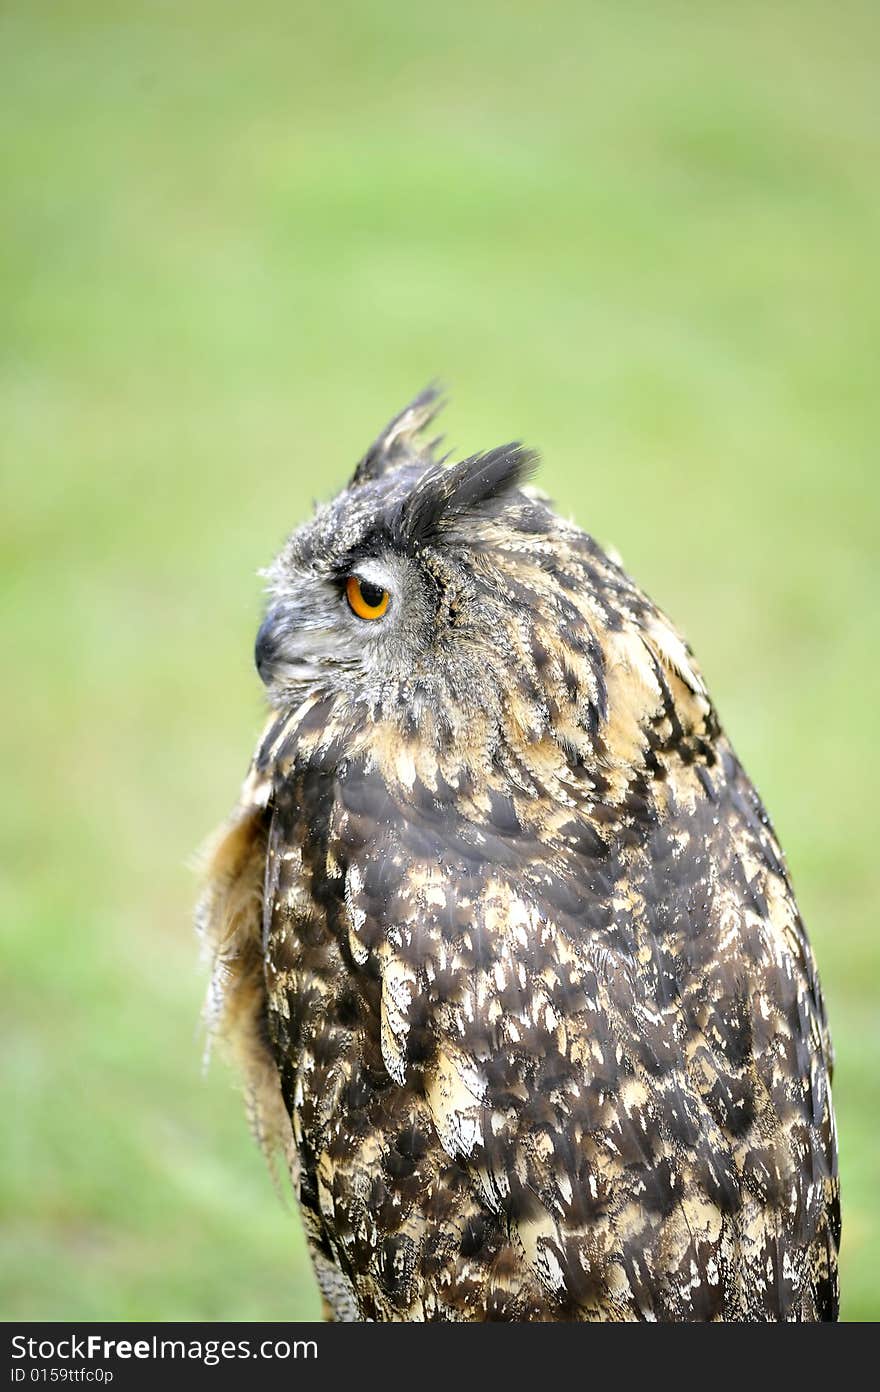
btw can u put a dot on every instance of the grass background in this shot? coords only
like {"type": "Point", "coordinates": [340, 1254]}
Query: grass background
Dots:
{"type": "Point", "coordinates": [233, 241]}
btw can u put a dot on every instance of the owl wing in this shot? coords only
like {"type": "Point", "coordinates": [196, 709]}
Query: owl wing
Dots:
{"type": "Point", "coordinates": [624, 1053]}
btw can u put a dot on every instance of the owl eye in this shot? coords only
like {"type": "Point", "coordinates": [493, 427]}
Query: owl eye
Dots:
{"type": "Point", "coordinates": [365, 599]}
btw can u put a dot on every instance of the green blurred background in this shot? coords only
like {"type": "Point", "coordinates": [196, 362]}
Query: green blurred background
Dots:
{"type": "Point", "coordinates": [234, 240]}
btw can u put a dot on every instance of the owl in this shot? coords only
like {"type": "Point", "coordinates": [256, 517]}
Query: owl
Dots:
{"type": "Point", "coordinates": [502, 939]}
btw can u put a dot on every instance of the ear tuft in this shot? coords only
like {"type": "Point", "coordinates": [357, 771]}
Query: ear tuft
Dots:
{"type": "Point", "coordinates": [444, 496]}
{"type": "Point", "coordinates": [397, 444]}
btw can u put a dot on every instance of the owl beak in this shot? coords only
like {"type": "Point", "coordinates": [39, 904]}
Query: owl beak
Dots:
{"type": "Point", "coordinates": [265, 649]}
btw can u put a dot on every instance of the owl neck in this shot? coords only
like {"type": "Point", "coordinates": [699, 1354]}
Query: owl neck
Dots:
{"type": "Point", "coordinates": [577, 717]}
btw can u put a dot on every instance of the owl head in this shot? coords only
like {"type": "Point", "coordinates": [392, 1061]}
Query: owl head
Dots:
{"type": "Point", "coordinates": [431, 593]}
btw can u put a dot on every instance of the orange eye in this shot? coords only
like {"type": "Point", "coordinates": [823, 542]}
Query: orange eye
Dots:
{"type": "Point", "coordinates": [365, 599]}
